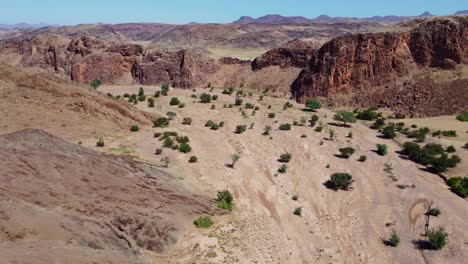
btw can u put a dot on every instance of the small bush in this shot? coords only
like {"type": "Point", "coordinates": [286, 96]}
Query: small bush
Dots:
{"type": "Point", "coordinates": [368, 114]}
{"type": "Point", "coordinates": [174, 101]}
{"type": "Point", "coordinates": [285, 158]}
{"type": "Point", "coordinates": [382, 149]}
{"type": "Point", "coordinates": [451, 149]}
{"type": "Point", "coordinates": [438, 238]}
{"type": "Point", "coordinates": [394, 240]}
{"type": "Point", "coordinates": [203, 222]}
{"type": "Point", "coordinates": [362, 158]}
{"type": "Point", "coordinates": [100, 143]}
{"type": "Point", "coordinates": [313, 120]}
{"type": "Point", "coordinates": [224, 200]}
{"type": "Point", "coordinates": [295, 197]}
{"type": "Point", "coordinates": [182, 139]}
{"type": "Point", "coordinates": [171, 115]}
{"type": "Point", "coordinates": [271, 115]}
{"type": "Point", "coordinates": [389, 132]}
{"type": "Point", "coordinates": [135, 128]}
{"type": "Point", "coordinates": [185, 148]}
{"type": "Point", "coordinates": [168, 143]}
{"type": "Point", "coordinates": [164, 89]}
{"type": "Point", "coordinates": [214, 97]}
{"type": "Point", "coordinates": [347, 152]}
{"type": "Point", "coordinates": [285, 127]}
{"type": "Point", "coordinates": [158, 151]}
{"type": "Point", "coordinates": [234, 159]}
{"type": "Point", "coordinates": [238, 102]}
{"type": "Point", "coordinates": [449, 133]}
{"type": "Point", "coordinates": [240, 129]}
{"type": "Point", "coordinates": [378, 124]}
{"type": "Point", "coordinates": [459, 185]}
{"type": "Point", "coordinates": [266, 131]}
{"type": "Point", "coordinates": [463, 117]}
{"type": "Point", "coordinates": [283, 168]}
{"type": "Point", "coordinates": [313, 104]}
{"type": "Point", "coordinates": [157, 134]}
{"type": "Point", "coordinates": [187, 121]}
{"type": "Point", "coordinates": [341, 181]}
{"type": "Point", "coordinates": [151, 102]}
{"type": "Point", "coordinates": [345, 117]}
{"type": "Point", "coordinates": [433, 212]}
{"type": "Point", "coordinates": [161, 122]}
{"type": "Point", "coordinates": [193, 159]}
{"type": "Point", "coordinates": [298, 211]}
{"type": "Point", "coordinates": [95, 84]}
{"type": "Point", "coordinates": [205, 98]}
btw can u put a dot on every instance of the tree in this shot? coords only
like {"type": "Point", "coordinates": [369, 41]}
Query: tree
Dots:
{"type": "Point", "coordinates": [205, 98]}
{"type": "Point", "coordinates": [438, 238]}
{"type": "Point", "coordinates": [394, 240]}
{"type": "Point", "coordinates": [95, 84]}
{"type": "Point", "coordinates": [347, 152]}
{"type": "Point", "coordinates": [164, 89]}
{"type": "Point", "coordinates": [234, 158]}
{"type": "Point", "coordinates": [313, 104]}
{"type": "Point", "coordinates": [345, 117]}
{"type": "Point", "coordinates": [459, 185]}
{"type": "Point", "coordinates": [161, 122]}
{"type": "Point", "coordinates": [382, 149]}
{"type": "Point", "coordinates": [135, 128]}
{"type": "Point", "coordinates": [341, 181]}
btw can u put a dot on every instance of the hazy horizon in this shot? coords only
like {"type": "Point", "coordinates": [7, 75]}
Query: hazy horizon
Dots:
{"type": "Point", "coordinates": [208, 11]}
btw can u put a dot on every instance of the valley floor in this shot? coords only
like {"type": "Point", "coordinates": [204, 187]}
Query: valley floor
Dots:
{"type": "Point", "coordinates": [335, 227]}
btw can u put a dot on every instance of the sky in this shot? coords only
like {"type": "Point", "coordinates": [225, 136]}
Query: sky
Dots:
{"type": "Point", "coordinates": [66, 12]}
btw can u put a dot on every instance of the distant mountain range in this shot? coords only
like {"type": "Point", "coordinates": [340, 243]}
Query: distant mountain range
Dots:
{"type": "Point", "coordinates": [23, 26]}
{"type": "Point", "coordinates": [278, 19]}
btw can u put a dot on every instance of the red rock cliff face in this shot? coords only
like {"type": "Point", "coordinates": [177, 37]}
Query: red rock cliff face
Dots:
{"type": "Point", "coordinates": [295, 53]}
{"type": "Point", "coordinates": [361, 61]}
{"type": "Point", "coordinates": [85, 58]}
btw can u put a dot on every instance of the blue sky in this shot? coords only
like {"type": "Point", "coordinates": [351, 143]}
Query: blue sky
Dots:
{"type": "Point", "coordinates": [184, 11]}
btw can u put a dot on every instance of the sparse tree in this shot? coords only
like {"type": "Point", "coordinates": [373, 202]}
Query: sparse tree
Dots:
{"type": "Point", "coordinates": [341, 181]}
{"type": "Point", "coordinates": [394, 240]}
{"type": "Point", "coordinates": [313, 104]}
{"type": "Point", "coordinates": [347, 152]}
{"type": "Point", "coordinates": [438, 238]}
{"type": "Point", "coordinates": [345, 117]}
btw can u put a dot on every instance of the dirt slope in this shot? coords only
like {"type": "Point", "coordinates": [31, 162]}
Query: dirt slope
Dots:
{"type": "Point", "coordinates": [62, 202]}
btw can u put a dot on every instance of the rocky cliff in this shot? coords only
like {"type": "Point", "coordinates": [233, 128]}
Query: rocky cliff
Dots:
{"type": "Point", "coordinates": [357, 62]}
{"type": "Point", "coordinates": [85, 58]}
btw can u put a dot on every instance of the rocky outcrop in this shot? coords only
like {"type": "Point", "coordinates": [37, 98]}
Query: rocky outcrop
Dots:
{"type": "Point", "coordinates": [295, 53]}
{"type": "Point", "coordinates": [86, 58]}
{"type": "Point", "coordinates": [356, 62]}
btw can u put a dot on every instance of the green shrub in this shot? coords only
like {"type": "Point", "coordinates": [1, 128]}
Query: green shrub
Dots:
{"type": "Point", "coordinates": [238, 102]}
{"type": "Point", "coordinates": [161, 122]}
{"type": "Point", "coordinates": [249, 106]}
{"type": "Point", "coordinates": [433, 212]}
{"type": "Point", "coordinates": [157, 94]}
{"type": "Point", "coordinates": [168, 143]}
{"type": "Point", "coordinates": [240, 129]}
{"type": "Point", "coordinates": [171, 115]}
{"type": "Point", "coordinates": [135, 128]}
{"type": "Point", "coordinates": [158, 151]}
{"type": "Point", "coordinates": [382, 149]}
{"type": "Point", "coordinates": [459, 185]}
{"type": "Point", "coordinates": [203, 222]}
{"type": "Point", "coordinates": [389, 131]}
{"type": "Point", "coordinates": [345, 117]}
{"type": "Point", "coordinates": [95, 84]}
{"type": "Point", "coordinates": [451, 149]}
{"type": "Point", "coordinates": [214, 97]}
{"type": "Point", "coordinates": [298, 211]}
{"type": "Point", "coordinates": [394, 240]}
{"type": "Point", "coordinates": [341, 181]}
{"type": "Point", "coordinates": [100, 143]}
{"type": "Point", "coordinates": [174, 101]}
{"type": "Point", "coordinates": [151, 102]}
{"type": "Point", "coordinates": [287, 105]}
{"type": "Point", "coordinates": [285, 158]}
{"type": "Point", "coordinates": [187, 121]}
{"type": "Point", "coordinates": [234, 159]}
{"type": "Point", "coordinates": [283, 168]}
{"type": "Point", "coordinates": [463, 117]}
{"type": "Point", "coordinates": [378, 124]}
{"type": "Point", "coordinates": [438, 238]}
{"type": "Point", "coordinates": [224, 200]}
{"type": "Point", "coordinates": [313, 104]}
{"type": "Point", "coordinates": [182, 139]}
{"type": "Point", "coordinates": [295, 197]}
{"type": "Point", "coordinates": [141, 91]}
{"type": "Point", "coordinates": [442, 163]}
{"type": "Point", "coordinates": [347, 152]}
{"type": "Point", "coordinates": [285, 127]}
{"type": "Point", "coordinates": [449, 133]}
{"type": "Point", "coordinates": [313, 120]}
{"type": "Point", "coordinates": [205, 98]}
{"type": "Point", "coordinates": [266, 131]}
{"type": "Point", "coordinates": [193, 159]}
{"type": "Point", "coordinates": [164, 89]}
{"type": "Point", "coordinates": [368, 114]}
{"type": "Point", "coordinates": [362, 158]}
{"type": "Point", "coordinates": [185, 148]}
{"type": "Point", "coordinates": [271, 115]}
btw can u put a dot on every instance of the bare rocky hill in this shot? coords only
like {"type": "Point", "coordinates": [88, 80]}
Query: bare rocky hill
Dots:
{"type": "Point", "coordinates": [63, 202]}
